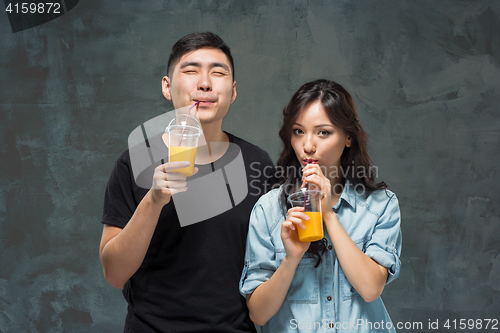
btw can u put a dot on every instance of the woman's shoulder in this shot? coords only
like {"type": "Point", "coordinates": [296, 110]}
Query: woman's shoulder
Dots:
{"type": "Point", "coordinates": [271, 198]}
{"type": "Point", "coordinates": [378, 200]}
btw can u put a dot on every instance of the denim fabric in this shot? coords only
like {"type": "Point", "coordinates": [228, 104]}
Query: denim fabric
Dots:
{"type": "Point", "coordinates": [322, 299]}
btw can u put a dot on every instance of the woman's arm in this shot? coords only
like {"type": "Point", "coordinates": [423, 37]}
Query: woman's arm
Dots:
{"type": "Point", "coordinates": [268, 298]}
{"type": "Point", "coordinates": [366, 275]}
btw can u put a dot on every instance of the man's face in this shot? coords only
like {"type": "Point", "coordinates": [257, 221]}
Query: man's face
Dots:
{"type": "Point", "coordinates": [202, 76]}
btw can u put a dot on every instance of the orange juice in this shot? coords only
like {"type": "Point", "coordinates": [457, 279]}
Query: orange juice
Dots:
{"type": "Point", "coordinates": [177, 154]}
{"type": "Point", "coordinates": [314, 228]}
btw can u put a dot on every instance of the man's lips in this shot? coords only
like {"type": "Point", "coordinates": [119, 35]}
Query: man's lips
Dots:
{"type": "Point", "coordinates": [205, 99]}
{"type": "Point", "coordinates": [201, 102]}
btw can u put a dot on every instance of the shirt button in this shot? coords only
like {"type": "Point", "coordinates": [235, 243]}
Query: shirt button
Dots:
{"type": "Point", "coordinates": [330, 247]}
{"type": "Point", "coordinates": [329, 298]}
{"type": "Point", "coordinates": [331, 325]}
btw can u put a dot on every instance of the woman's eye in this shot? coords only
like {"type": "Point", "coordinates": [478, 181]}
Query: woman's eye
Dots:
{"type": "Point", "coordinates": [297, 131]}
{"type": "Point", "coordinates": [324, 133]}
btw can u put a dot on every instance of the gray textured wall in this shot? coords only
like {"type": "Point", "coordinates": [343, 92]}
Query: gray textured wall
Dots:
{"type": "Point", "coordinates": [425, 76]}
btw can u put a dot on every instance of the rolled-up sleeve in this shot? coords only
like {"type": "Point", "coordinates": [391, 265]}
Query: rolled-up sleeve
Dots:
{"type": "Point", "coordinates": [260, 257]}
{"type": "Point", "coordinates": [385, 243]}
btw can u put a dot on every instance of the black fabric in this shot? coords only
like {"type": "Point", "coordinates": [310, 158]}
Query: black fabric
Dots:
{"type": "Point", "coordinates": [188, 281]}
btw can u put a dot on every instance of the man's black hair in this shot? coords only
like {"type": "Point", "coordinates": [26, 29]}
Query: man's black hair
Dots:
{"type": "Point", "coordinates": [195, 41]}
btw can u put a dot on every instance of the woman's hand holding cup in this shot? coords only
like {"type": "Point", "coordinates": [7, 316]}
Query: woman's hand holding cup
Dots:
{"type": "Point", "coordinates": [294, 248]}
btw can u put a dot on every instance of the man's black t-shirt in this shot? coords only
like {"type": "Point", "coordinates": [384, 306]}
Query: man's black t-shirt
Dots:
{"type": "Point", "coordinates": [188, 281]}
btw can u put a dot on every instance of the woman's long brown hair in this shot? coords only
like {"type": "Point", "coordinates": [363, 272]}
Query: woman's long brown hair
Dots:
{"type": "Point", "coordinates": [340, 109]}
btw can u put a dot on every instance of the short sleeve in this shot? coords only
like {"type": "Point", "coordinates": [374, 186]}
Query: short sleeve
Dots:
{"type": "Point", "coordinates": [260, 258]}
{"type": "Point", "coordinates": [385, 243]}
{"type": "Point", "coordinates": [119, 203]}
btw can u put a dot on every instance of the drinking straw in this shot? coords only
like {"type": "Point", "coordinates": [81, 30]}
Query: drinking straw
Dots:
{"type": "Point", "coordinates": [187, 116]}
{"type": "Point", "coordinates": [304, 189]}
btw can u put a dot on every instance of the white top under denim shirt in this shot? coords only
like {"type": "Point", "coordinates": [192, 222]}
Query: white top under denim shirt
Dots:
{"type": "Point", "coordinates": [322, 299]}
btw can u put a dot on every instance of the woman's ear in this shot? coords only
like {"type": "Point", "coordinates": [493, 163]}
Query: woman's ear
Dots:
{"type": "Point", "coordinates": [348, 142]}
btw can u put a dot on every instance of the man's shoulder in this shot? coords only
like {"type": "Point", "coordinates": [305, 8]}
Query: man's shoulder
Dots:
{"type": "Point", "coordinates": [124, 157]}
{"type": "Point", "coordinates": [248, 148]}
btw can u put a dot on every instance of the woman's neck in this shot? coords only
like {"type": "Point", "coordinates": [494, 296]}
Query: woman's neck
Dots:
{"type": "Point", "coordinates": [337, 186]}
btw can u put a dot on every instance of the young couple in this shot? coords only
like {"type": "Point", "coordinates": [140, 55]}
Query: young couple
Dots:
{"type": "Point", "coordinates": [185, 279]}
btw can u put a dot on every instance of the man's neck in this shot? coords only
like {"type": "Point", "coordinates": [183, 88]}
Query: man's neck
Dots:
{"type": "Point", "coordinates": [213, 144]}
{"type": "Point", "coordinates": [213, 132]}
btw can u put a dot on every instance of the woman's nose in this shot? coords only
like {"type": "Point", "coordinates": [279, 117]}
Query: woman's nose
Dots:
{"type": "Point", "coordinates": [309, 146]}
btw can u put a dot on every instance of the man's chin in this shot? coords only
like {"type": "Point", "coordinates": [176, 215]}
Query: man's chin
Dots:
{"type": "Point", "coordinates": [205, 120]}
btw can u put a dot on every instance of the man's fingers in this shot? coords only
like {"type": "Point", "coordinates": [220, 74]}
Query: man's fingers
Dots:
{"type": "Point", "coordinates": [174, 176]}
{"type": "Point", "coordinates": [175, 184]}
{"type": "Point", "coordinates": [173, 191]}
{"type": "Point", "coordinates": [162, 183]}
{"type": "Point", "coordinates": [171, 166]}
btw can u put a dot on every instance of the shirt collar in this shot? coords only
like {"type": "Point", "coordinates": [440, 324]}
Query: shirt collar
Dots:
{"type": "Point", "coordinates": [348, 195]}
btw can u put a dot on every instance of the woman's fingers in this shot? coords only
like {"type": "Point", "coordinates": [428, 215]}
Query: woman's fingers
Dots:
{"type": "Point", "coordinates": [288, 225]}
{"type": "Point", "coordinates": [297, 216]}
{"type": "Point", "coordinates": [312, 174]}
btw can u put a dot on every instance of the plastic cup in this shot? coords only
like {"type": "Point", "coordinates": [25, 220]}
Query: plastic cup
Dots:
{"type": "Point", "coordinates": [311, 201]}
{"type": "Point", "coordinates": [182, 145]}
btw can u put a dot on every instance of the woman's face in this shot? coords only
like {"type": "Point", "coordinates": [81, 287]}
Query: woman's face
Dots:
{"type": "Point", "coordinates": [316, 140]}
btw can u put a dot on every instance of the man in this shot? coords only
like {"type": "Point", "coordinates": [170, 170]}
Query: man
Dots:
{"type": "Point", "coordinates": [183, 279]}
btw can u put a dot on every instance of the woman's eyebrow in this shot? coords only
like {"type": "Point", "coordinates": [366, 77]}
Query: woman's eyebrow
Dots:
{"type": "Point", "coordinates": [316, 126]}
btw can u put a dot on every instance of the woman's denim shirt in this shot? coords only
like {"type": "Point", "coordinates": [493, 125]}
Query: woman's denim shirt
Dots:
{"type": "Point", "coordinates": [322, 299]}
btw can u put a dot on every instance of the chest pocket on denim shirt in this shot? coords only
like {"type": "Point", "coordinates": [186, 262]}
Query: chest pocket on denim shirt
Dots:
{"type": "Point", "coordinates": [304, 286]}
{"type": "Point", "coordinates": [345, 286]}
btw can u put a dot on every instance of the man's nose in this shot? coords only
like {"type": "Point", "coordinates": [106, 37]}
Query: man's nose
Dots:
{"type": "Point", "coordinates": [205, 83]}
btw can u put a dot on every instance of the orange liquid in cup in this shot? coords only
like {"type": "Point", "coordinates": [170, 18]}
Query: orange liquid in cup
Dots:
{"type": "Point", "coordinates": [178, 154]}
{"type": "Point", "coordinates": [314, 228]}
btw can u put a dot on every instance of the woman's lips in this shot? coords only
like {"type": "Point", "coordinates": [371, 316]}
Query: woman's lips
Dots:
{"type": "Point", "coordinates": [310, 161]}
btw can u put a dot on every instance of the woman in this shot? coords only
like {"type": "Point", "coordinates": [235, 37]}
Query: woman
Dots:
{"type": "Point", "coordinates": [333, 284]}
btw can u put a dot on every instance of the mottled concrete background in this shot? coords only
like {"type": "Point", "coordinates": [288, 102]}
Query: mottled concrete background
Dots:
{"type": "Point", "coordinates": [425, 77]}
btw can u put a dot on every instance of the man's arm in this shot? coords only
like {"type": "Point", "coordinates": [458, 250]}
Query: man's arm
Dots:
{"type": "Point", "coordinates": [122, 251]}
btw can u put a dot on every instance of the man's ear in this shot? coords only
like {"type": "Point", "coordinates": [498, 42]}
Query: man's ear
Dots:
{"type": "Point", "coordinates": [234, 94]}
{"type": "Point", "coordinates": [165, 88]}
